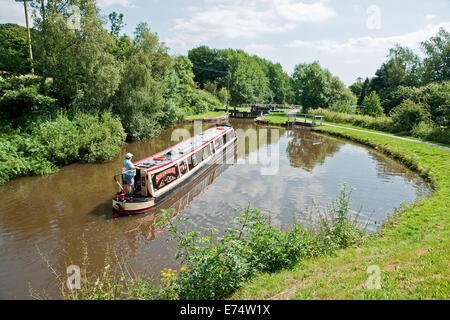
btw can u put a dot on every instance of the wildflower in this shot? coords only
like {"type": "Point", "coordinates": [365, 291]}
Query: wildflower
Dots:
{"type": "Point", "coordinates": [182, 269]}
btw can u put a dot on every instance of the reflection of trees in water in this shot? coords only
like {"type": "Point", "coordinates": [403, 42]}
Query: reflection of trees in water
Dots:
{"type": "Point", "coordinates": [387, 168]}
{"type": "Point", "coordinates": [252, 137]}
{"type": "Point", "coordinates": [306, 149]}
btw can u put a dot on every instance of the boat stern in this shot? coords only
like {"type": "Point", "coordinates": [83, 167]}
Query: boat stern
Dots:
{"type": "Point", "coordinates": [131, 205]}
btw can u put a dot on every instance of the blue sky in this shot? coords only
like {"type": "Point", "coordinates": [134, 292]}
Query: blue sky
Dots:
{"type": "Point", "coordinates": [351, 38]}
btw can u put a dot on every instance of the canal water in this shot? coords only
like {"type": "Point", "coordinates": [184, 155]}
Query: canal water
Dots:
{"type": "Point", "coordinates": [284, 172]}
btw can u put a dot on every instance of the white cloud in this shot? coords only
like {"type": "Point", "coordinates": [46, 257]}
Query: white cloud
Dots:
{"type": "Point", "coordinates": [430, 16]}
{"type": "Point", "coordinates": [109, 3]}
{"type": "Point", "coordinates": [299, 11]}
{"type": "Point", "coordinates": [371, 44]}
{"type": "Point", "coordinates": [12, 12]}
{"type": "Point", "coordinates": [249, 19]}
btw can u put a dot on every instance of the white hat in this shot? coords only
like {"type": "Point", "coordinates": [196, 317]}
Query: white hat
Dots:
{"type": "Point", "coordinates": [128, 155]}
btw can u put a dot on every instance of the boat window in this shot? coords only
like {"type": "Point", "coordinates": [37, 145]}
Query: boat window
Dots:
{"type": "Point", "coordinates": [195, 159]}
{"type": "Point", "coordinates": [218, 143]}
{"type": "Point", "coordinates": [206, 152]}
{"type": "Point", "coordinates": [229, 136]}
{"type": "Point", "coordinates": [183, 167]}
{"type": "Point", "coordinates": [164, 178]}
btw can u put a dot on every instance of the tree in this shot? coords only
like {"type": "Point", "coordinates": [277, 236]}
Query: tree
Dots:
{"type": "Point", "coordinates": [437, 60]}
{"type": "Point", "coordinates": [372, 105]}
{"type": "Point", "coordinates": [208, 64]}
{"type": "Point", "coordinates": [116, 21]}
{"type": "Point", "coordinates": [142, 100]}
{"type": "Point", "coordinates": [279, 83]}
{"type": "Point", "coordinates": [85, 73]}
{"type": "Point", "coordinates": [14, 56]}
{"type": "Point", "coordinates": [407, 115]}
{"type": "Point", "coordinates": [364, 92]}
{"type": "Point", "coordinates": [312, 85]}
{"type": "Point", "coordinates": [248, 83]}
{"type": "Point", "coordinates": [357, 86]}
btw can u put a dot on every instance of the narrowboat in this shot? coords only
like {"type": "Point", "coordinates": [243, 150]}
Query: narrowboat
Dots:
{"type": "Point", "coordinates": [159, 175]}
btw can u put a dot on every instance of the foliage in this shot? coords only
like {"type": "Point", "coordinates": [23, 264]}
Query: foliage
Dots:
{"type": "Point", "coordinates": [365, 121]}
{"type": "Point", "coordinates": [315, 88]}
{"type": "Point", "coordinates": [346, 101]}
{"type": "Point", "coordinates": [437, 60]}
{"type": "Point", "coordinates": [372, 105]}
{"type": "Point", "coordinates": [14, 55]}
{"type": "Point", "coordinates": [24, 105]}
{"type": "Point", "coordinates": [87, 137]}
{"type": "Point", "coordinates": [215, 266]}
{"type": "Point", "coordinates": [248, 83]}
{"type": "Point", "coordinates": [85, 73]}
{"type": "Point", "coordinates": [407, 115]}
{"type": "Point", "coordinates": [140, 100]}
{"type": "Point", "coordinates": [20, 155]}
{"type": "Point", "coordinates": [363, 93]}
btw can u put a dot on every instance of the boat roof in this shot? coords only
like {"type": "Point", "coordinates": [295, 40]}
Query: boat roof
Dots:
{"type": "Point", "coordinates": [181, 149]}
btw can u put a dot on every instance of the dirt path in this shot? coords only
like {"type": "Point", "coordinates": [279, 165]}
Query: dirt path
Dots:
{"type": "Point", "coordinates": [391, 136]}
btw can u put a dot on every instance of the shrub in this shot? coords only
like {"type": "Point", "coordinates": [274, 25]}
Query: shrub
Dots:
{"type": "Point", "coordinates": [372, 105]}
{"type": "Point", "coordinates": [22, 106]}
{"type": "Point", "coordinates": [407, 115]}
{"type": "Point", "coordinates": [100, 136]}
{"type": "Point", "coordinates": [87, 137]}
{"type": "Point", "coordinates": [342, 106]}
{"type": "Point", "coordinates": [60, 139]}
{"type": "Point", "coordinates": [427, 130]}
{"type": "Point", "coordinates": [215, 268]}
{"type": "Point", "coordinates": [20, 155]}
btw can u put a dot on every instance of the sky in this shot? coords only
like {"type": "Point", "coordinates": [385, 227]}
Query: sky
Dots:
{"type": "Point", "coordinates": [348, 37]}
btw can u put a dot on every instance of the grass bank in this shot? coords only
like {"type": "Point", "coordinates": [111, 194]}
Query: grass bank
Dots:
{"type": "Point", "coordinates": [411, 252]}
{"type": "Point", "coordinates": [205, 115]}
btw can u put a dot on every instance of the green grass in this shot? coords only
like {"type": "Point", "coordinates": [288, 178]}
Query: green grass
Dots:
{"type": "Point", "coordinates": [208, 114]}
{"type": "Point", "coordinates": [280, 117]}
{"type": "Point", "coordinates": [412, 251]}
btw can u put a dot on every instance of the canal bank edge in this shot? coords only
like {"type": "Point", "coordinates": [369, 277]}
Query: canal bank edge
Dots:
{"type": "Point", "coordinates": [411, 252]}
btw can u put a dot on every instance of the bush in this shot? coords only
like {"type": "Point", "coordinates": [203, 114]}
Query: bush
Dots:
{"type": "Point", "coordinates": [342, 106]}
{"type": "Point", "coordinates": [427, 130]}
{"type": "Point", "coordinates": [24, 105]}
{"type": "Point", "coordinates": [365, 121]}
{"type": "Point", "coordinates": [87, 137]}
{"type": "Point", "coordinates": [214, 269]}
{"type": "Point", "coordinates": [372, 105]}
{"type": "Point", "coordinates": [20, 155]}
{"type": "Point", "coordinates": [100, 136]}
{"type": "Point", "coordinates": [407, 115]}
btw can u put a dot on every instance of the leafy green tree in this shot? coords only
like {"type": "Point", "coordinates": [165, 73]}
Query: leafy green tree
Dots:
{"type": "Point", "coordinates": [208, 64]}
{"type": "Point", "coordinates": [372, 105]}
{"type": "Point", "coordinates": [116, 22]}
{"type": "Point", "coordinates": [357, 86]}
{"type": "Point", "coordinates": [14, 56]}
{"type": "Point", "coordinates": [280, 83]}
{"type": "Point", "coordinates": [407, 115]}
{"type": "Point", "coordinates": [437, 60]}
{"type": "Point", "coordinates": [312, 85]}
{"type": "Point", "coordinates": [223, 95]}
{"type": "Point", "coordinates": [364, 92]}
{"type": "Point", "coordinates": [141, 101]}
{"type": "Point", "coordinates": [85, 73]}
{"type": "Point", "coordinates": [345, 103]}
{"type": "Point", "coordinates": [403, 68]}
{"type": "Point", "coordinates": [249, 83]}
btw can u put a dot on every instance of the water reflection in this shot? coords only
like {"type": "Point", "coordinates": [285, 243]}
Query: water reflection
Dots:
{"type": "Point", "coordinates": [307, 149]}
